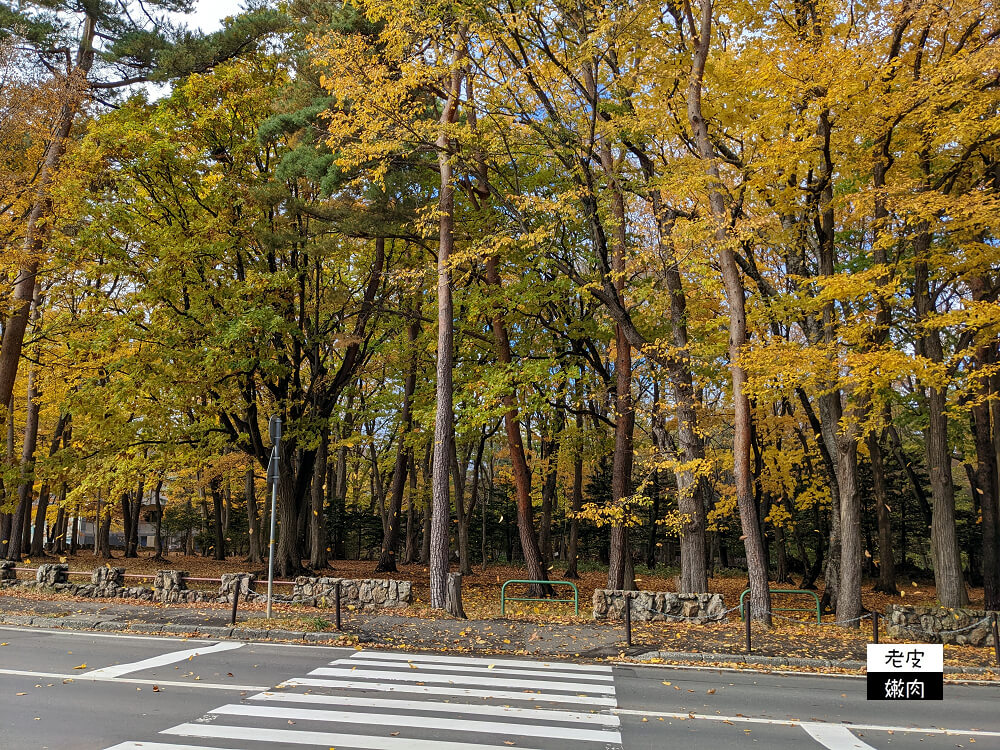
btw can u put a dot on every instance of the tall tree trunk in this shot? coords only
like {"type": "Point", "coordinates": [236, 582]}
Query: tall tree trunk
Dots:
{"type": "Point", "coordinates": [620, 565]}
{"type": "Point", "coordinates": [760, 605]}
{"type": "Point", "coordinates": [948, 579]}
{"type": "Point", "coordinates": [849, 606]}
{"type": "Point", "coordinates": [36, 225]}
{"type": "Point", "coordinates": [987, 479]}
{"type": "Point", "coordinates": [886, 558]}
{"type": "Point", "coordinates": [691, 496]}
{"type": "Point", "coordinates": [444, 389]}
{"type": "Point", "coordinates": [519, 463]}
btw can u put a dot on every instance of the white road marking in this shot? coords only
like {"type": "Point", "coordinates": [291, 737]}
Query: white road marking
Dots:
{"type": "Point", "coordinates": [500, 662]}
{"type": "Point", "coordinates": [322, 739]}
{"type": "Point", "coordinates": [797, 723]}
{"type": "Point", "coordinates": [93, 634]}
{"type": "Point", "coordinates": [161, 660]}
{"type": "Point", "coordinates": [481, 668]}
{"type": "Point", "coordinates": [834, 737]}
{"type": "Point", "coordinates": [85, 677]}
{"type": "Point", "coordinates": [414, 676]}
{"type": "Point", "coordinates": [526, 695]}
{"type": "Point", "coordinates": [133, 745]}
{"type": "Point", "coordinates": [421, 722]}
{"type": "Point", "coordinates": [452, 708]}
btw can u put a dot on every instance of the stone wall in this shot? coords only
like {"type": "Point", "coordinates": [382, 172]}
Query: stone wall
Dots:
{"type": "Point", "coordinates": [658, 606]}
{"type": "Point", "coordinates": [924, 624]}
{"type": "Point", "coordinates": [170, 586]}
{"type": "Point", "coordinates": [363, 594]}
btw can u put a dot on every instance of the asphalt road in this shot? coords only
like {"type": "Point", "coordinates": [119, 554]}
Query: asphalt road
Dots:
{"type": "Point", "coordinates": [87, 691]}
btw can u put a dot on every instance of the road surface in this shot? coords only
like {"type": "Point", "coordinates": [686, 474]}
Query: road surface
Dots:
{"type": "Point", "coordinates": [62, 690]}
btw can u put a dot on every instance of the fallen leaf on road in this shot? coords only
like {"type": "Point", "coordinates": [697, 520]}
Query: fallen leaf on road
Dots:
{"type": "Point", "coordinates": [156, 688]}
{"type": "Point", "coordinates": [711, 691]}
{"type": "Point", "coordinates": [82, 666]}
{"type": "Point", "coordinates": [666, 683]}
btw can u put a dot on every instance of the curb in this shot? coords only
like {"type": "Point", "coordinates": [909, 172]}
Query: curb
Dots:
{"type": "Point", "coordinates": [167, 628]}
{"type": "Point", "coordinates": [782, 661]}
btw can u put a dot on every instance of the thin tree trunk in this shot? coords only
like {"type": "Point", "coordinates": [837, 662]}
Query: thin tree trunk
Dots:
{"type": "Point", "coordinates": [220, 534]}
{"type": "Point", "coordinates": [760, 606]}
{"type": "Point", "coordinates": [24, 495]}
{"type": "Point", "coordinates": [404, 452]}
{"type": "Point", "coordinates": [256, 551]}
{"type": "Point", "coordinates": [158, 534]}
{"type": "Point", "coordinates": [444, 389]}
{"type": "Point", "coordinates": [886, 558]}
{"type": "Point", "coordinates": [38, 537]}
{"type": "Point", "coordinates": [319, 558]}
{"type": "Point", "coordinates": [690, 488]}
{"type": "Point", "coordinates": [410, 548]}
{"type": "Point", "coordinates": [849, 606]}
{"type": "Point", "coordinates": [576, 495]}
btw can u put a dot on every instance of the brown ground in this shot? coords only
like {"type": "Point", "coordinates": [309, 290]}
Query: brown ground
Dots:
{"type": "Point", "coordinates": [481, 591]}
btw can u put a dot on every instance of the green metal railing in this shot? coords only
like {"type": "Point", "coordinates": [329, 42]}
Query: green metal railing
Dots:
{"type": "Point", "coordinates": [504, 598]}
{"type": "Point", "coordinates": [819, 617]}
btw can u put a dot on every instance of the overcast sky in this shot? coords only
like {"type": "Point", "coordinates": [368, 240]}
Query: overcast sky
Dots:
{"type": "Point", "coordinates": [208, 14]}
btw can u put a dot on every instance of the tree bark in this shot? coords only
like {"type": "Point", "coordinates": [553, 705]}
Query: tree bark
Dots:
{"type": "Point", "coordinates": [886, 557]}
{"type": "Point", "coordinates": [404, 453]}
{"type": "Point", "coordinates": [256, 551]}
{"type": "Point", "coordinates": [849, 606]}
{"type": "Point", "coordinates": [948, 579]}
{"type": "Point", "coordinates": [690, 487]}
{"type": "Point", "coordinates": [158, 535]}
{"type": "Point", "coordinates": [519, 463]}
{"type": "Point", "coordinates": [319, 557]}
{"type": "Point", "coordinates": [36, 227]}
{"type": "Point", "coordinates": [987, 479]}
{"type": "Point", "coordinates": [760, 605]}
{"type": "Point", "coordinates": [22, 512]}
{"type": "Point", "coordinates": [576, 495]}
{"type": "Point", "coordinates": [38, 536]}
{"type": "Point", "coordinates": [444, 389]}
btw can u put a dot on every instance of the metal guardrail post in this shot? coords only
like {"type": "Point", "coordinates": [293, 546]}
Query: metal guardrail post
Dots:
{"type": "Point", "coordinates": [336, 604]}
{"type": "Point", "coordinates": [747, 621]}
{"type": "Point", "coordinates": [236, 600]}
{"type": "Point", "coordinates": [628, 619]}
{"type": "Point", "coordinates": [874, 626]}
{"type": "Point", "coordinates": [996, 639]}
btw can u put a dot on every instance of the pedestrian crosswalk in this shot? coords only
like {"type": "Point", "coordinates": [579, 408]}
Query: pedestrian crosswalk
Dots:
{"type": "Point", "coordinates": [376, 700]}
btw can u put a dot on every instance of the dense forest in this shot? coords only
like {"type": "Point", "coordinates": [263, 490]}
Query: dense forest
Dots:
{"type": "Point", "coordinates": [561, 282]}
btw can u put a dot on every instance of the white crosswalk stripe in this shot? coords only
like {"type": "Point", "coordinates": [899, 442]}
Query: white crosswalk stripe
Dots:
{"type": "Point", "coordinates": [378, 700]}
